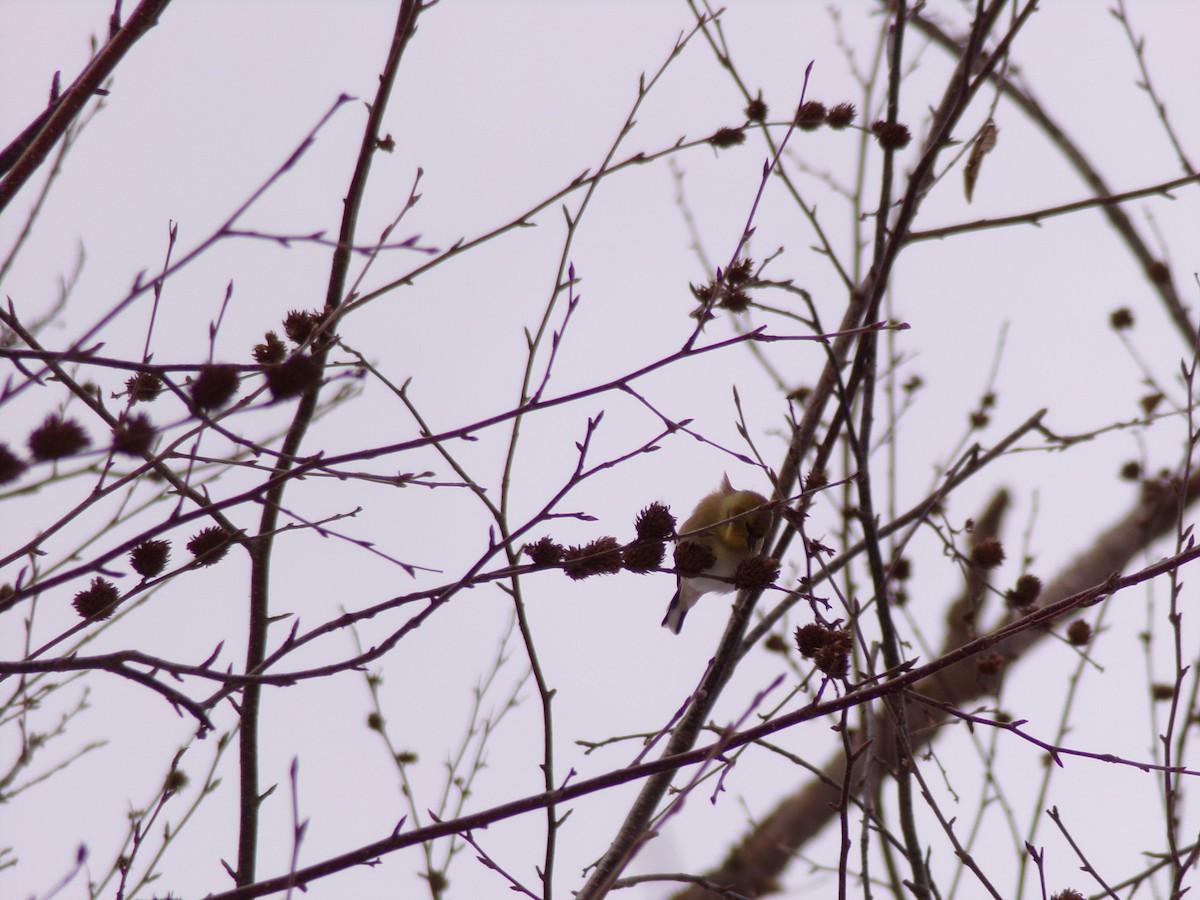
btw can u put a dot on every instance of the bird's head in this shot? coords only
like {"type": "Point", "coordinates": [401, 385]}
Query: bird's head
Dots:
{"type": "Point", "coordinates": [751, 520]}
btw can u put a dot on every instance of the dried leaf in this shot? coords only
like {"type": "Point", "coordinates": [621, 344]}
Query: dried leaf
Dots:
{"type": "Point", "coordinates": [984, 144]}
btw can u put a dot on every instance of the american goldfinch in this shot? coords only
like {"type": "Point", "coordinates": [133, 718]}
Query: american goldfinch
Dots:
{"type": "Point", "coordinates": [730, 523]}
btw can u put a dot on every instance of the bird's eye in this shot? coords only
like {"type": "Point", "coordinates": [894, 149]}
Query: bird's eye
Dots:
{"type": "Point", "coordinates": [757, 528]}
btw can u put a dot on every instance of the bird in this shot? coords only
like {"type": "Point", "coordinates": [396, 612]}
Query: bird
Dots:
{"type": "Point", "coordinates": [732, 524]}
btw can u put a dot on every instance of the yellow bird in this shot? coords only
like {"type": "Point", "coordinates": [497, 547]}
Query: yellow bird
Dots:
{"type": "Point", "coordinates": [730, 523]}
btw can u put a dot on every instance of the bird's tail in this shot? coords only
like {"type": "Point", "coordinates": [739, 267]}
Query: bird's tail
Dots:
{"type": "Point", "coordinates": [675, 613]}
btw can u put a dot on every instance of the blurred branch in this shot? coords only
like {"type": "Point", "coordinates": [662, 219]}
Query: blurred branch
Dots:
{"type": "Point", "coordinates": [807, 812]}
{"type": "Point", "coordinates": [1138, 46]}
{"type": "Point", "coordinates": [971, 463]}
{"type": "Point", "coordinates": [754, 867]}
{"type": "Point", "coordinates": [1157, 271]}
{"type": "Point", "coordinates": [564, 277]}
{"type": "Point", "coordinates": [36, 142]}
{"type": "Point", "coordinates": [1035, 217]}
{"type": "Point", "coordinates": [261, 545]}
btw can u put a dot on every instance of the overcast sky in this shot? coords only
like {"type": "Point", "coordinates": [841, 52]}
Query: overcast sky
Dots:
{"type": "Point", "coordinates": [499, 106]}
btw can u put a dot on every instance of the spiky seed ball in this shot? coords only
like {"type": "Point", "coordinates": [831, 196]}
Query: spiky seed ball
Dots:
{"type": "Point", "coordinates": [1079, 633]}
{"type": "Point", "coordinates": [544, 552]}
{"type": "Point", "coordinates": [209, 546]}
{"type": "Point", "coordinates": [1131, 471]}
{"type": "Point", "coordinates": [987, 554]}
{"type": "Point", "coordinates": [98, 601]}
{"type": "Point", "coordinates": [891, 135]}
{"type": "Point", "coordinates": [300, 324]}
{"type": "Point", "coordinates": [704, 293]}
{"type": "Point", "coordinates": [644, 556]}
{"type": "Point", "coordinates": [57, 437]}
{"type": "Point", "coordinates": [840, 116]}
{"type": "Point", "coordinates": [271, 351]}
{"type": "Point", "coordinates": [692, 558]}
{"type": "Point", "coordinates": [735, 300]}
{"type": "Point", "coordinates": [144, 387]}
{"type": "Point", "coordinates": [150, 557]}
{"type": "Point", "coordinates": [810, 638]}
{"type": "Point", "coordinates": [740, 272]}
{"type": "Point", "coordinates": [601, 557]}
{"type": "Point", "coordinates": [1025, 592]}
{"type": "Point", "coordinates": [133, 435]}
{"type": "Point", "coordinates": [728, 137]}
{"type": "Point", "coordinates": [828, 648]}
{"type": "Point", "coordinates": [834, 658]}
{"type": "Point", "coordinates": [293, 377]}
{"type": "Point", "coordinates": [11, 465]}
{"type": "Point", "coordinates": [214, 386]}
{"type": "Point", "coordinates": [810, 115]}
{"type": "Point", "coordinates": [756, 110]}
{"type": "Point", "coordinates": [654, 523]}
{"type": "Point", "coordinates": [756, 573]}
